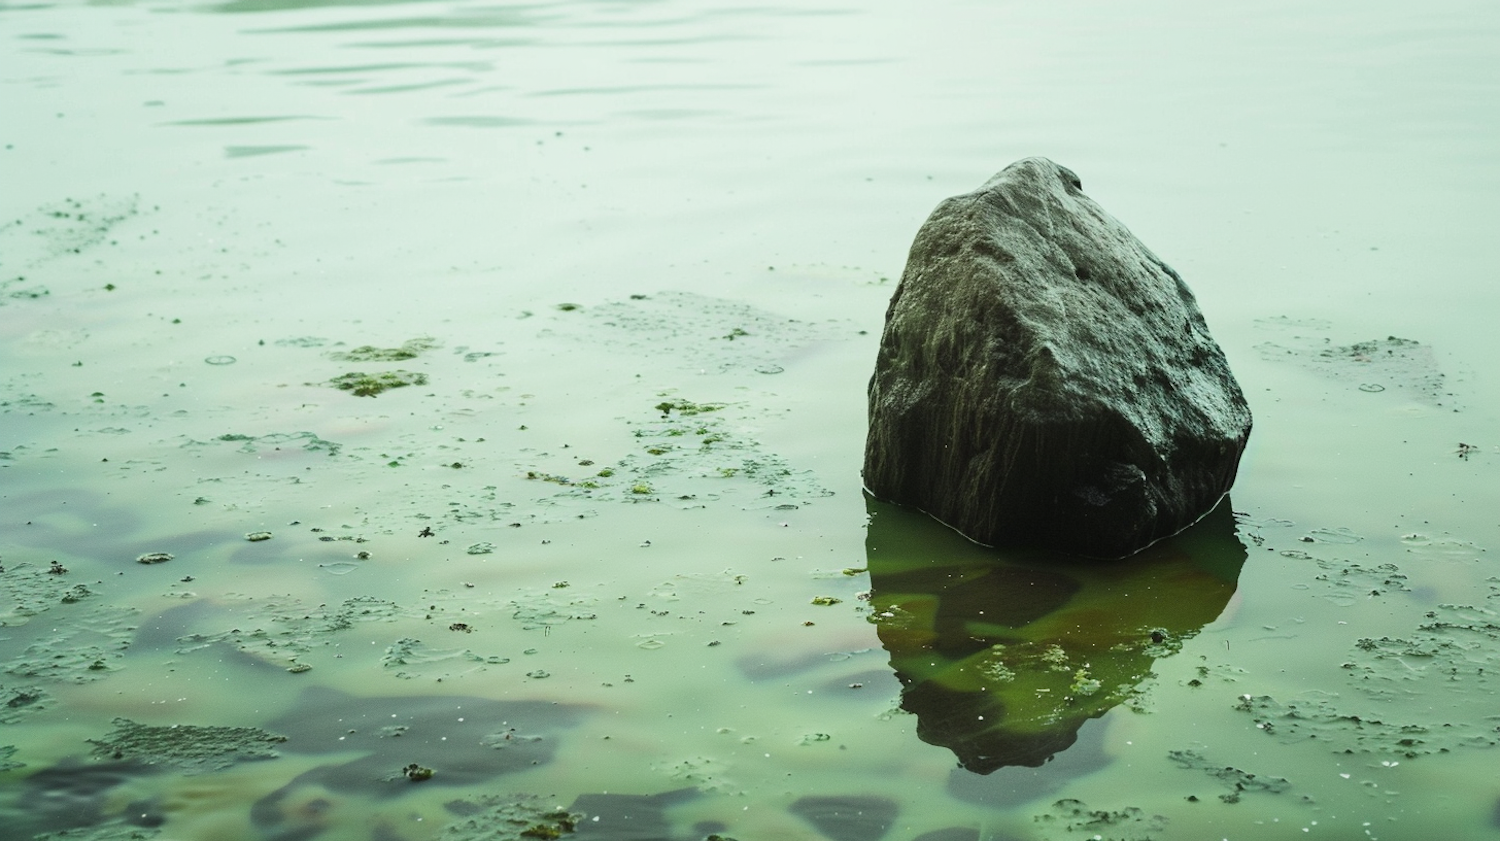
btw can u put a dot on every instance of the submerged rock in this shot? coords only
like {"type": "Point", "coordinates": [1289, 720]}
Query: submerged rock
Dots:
{"type": "Point", "coordinates": [848, 818]}
{"type": "Point", "coordinates": [1044, 378]}
{"type": "Point", "coordinates": [80, 800]}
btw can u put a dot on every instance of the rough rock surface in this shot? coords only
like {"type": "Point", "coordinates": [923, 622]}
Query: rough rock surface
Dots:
{"type": "Point", "coordinates": [1045, 379]}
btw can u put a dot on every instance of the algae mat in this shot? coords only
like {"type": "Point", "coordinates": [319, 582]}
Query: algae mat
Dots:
{"type": "Point", "coordinates": [442, 421]}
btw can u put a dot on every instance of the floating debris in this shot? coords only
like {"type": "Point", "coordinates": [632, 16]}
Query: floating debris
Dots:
{"type": "Point", "coordinates": [371, 385]}
{"type": "Point", "coordinates": [410, 658]}
{"type": "Point", "coordinates": [189, 749]}
{"type": "Point", "coordinates": [154, 558]}
{"type": "Point", "coordinates": [1372, 367]}
{"type": "Point", "coordinates": [276, 629]}
{"type": "Point", "coordinates": [257, 536]}
{"type": "Point", "coordinates": [699, 332]}
{"type": "Point", "coordinates": [692, 455]}
{"type": "Point", "coordinates": [69, 226]}
{"type": "Point", "coordinates": [16, 702]}
{"type": "Point", "coordinates": [80, 641]}
{"type": "Point", "coordinates": [511, 817]}
{"type": "Point", "coordinates": [1079, 821]}
{"type": "Point", "coordinates": [1238, 782]}
{"type": "Point", "coordinates": [1345, 733]}
{"type": "Point", "coordinates": [686, 408]}
{"type": "Point", "coordinates": [410, 349]}
{"type": "Point", "coordinates": [274, 441]}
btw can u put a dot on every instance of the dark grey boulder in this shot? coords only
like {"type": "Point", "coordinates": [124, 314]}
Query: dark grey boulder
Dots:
{"type": "Point", "coordinates": [1044, 379]}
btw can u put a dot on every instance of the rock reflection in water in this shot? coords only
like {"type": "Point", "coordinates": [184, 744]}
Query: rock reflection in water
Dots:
{"type": "Point", "coordinates": [1003, 655]}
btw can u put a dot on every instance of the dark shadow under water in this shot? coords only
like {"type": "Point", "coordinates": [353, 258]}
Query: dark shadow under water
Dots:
{"type": "Point", "coordinates": [1003, 655]}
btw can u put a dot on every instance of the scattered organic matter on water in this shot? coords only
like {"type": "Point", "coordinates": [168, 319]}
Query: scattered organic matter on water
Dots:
{"type": "Point", "coordinates": [370, 385]}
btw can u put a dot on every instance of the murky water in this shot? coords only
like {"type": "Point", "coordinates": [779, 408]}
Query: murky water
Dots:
{"type": "Point", "coordinates": [604, 550]}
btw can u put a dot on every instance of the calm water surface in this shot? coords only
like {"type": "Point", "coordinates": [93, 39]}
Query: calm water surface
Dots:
{"type": "Point", "coordinates": [606, 550]}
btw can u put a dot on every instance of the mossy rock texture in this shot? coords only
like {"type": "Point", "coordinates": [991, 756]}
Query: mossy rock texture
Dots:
{"type": "Point", "coordinates": [1045, 379]}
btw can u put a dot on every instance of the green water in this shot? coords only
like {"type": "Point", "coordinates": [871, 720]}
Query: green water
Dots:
{"type": "Point", "coordinates": [567, 217]}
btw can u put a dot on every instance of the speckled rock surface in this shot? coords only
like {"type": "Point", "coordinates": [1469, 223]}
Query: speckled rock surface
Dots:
{"type": "Point", "coordinates": [1045, 379]}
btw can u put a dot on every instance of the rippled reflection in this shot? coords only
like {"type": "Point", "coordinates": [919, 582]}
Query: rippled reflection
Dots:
{"type": "Point", "coordinates": [1004, 656]}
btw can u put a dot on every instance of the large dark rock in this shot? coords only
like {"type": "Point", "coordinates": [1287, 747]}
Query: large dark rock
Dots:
{"type": "Point", "coordinates": [1045, 379]}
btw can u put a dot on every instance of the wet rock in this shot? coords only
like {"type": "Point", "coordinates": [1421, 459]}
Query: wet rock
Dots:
{"type": "Point", "coordinates": [1044, 378]}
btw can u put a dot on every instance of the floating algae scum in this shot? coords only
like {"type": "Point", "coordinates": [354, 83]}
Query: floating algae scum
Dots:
{"type": "Point", "coordinates": [494, 377]}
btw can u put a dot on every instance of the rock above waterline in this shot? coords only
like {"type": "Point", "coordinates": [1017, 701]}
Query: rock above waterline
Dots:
{"type": "Point", "coordinates": [1045, 379]}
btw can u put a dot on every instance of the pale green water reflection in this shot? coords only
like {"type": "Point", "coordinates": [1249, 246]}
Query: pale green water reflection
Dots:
{"type": "Point", "coordinates": [594, 209]}
{"type": "Point", "coordinates": [1003, 656]}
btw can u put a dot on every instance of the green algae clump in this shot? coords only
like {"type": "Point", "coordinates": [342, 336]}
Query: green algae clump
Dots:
{"type": "Point", "coordinates": [188, 748]}
{"type": "Point", "coordinates": [510, 818]}
{"type": "Point", "coordinates": [686, 408]}
{"type": "Point", "coordinates": [1078, 820]}
{"type": "Point", "coordinates": [370, 385]}
{"type": "Point", "coordinates": [6, 752]}
{"type": "Point", "coordinates": [369, 353]}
